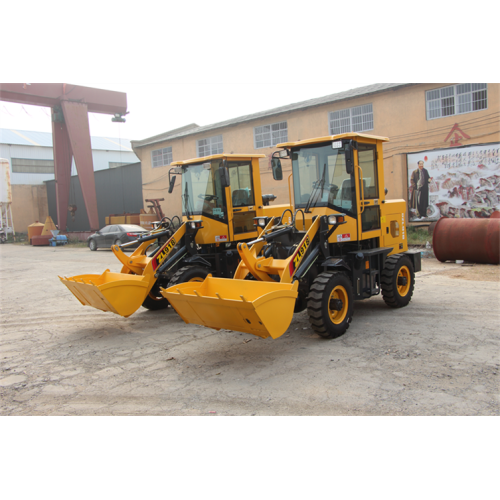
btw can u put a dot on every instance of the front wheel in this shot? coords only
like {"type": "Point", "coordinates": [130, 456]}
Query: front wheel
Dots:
{"type": "Point", "coordinates": [398, 280]}
{"type": "Point", "coordinates": [189, 273]}
{"type": "Point", "coordinates": [92, 245]}
{"type": "Point", "coordinates": [155, 301]}
{"type": "Point", "coordinates": [330, 304]}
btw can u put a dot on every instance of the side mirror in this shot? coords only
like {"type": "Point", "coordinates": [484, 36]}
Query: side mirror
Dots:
{"type": "Point", "coordinates": [172, 184]}
{"type": "Point", "coordinates": [224, 174]}
{"type": "Point", "coordinates": [349, 157]}
{"type": "Point", "coordinates": [171, 180]}
{"type": "Point", "coordinates": [277, 170]}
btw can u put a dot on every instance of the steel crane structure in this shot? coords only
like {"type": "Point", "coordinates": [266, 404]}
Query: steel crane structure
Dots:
{"type": "Point", "coordinates": [70, 105]}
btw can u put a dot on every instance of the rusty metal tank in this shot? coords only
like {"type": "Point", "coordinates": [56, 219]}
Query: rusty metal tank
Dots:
{"type": "Point", "coordinates": [41, 240]}
{"type": "Point", "coordinates": [34, 229]}
{"type": "Point", "coordinates": [472, 240]}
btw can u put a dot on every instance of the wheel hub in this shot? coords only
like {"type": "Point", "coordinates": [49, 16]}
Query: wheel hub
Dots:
{"type": "Point", "coordinates": [336, 305]}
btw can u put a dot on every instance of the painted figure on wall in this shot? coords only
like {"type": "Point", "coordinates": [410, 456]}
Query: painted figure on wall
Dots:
{"type": "Point", "coordinates": [419, 197]}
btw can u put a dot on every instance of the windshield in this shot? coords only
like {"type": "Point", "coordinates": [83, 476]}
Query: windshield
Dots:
{"type": "Point", "coordinates": [202, 192]}
{"type": "Point", "coordinates": [320, 179]}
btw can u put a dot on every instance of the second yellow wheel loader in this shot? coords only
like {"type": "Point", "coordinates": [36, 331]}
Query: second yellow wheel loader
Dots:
{"type": "Point", "coordinates": [345, 242]}
{"type": "Point", "coordinates": [221, 197]}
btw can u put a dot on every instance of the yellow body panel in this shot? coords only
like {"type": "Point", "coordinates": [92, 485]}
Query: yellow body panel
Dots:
{"type": "Point", "coordinates": [216, 157]}
{"type": "Point", "coordinates": [394, 225]}
{"type": "Point", "coordinates": [348, 135]}
{"type": "Point", "coordinates": [262, 309]}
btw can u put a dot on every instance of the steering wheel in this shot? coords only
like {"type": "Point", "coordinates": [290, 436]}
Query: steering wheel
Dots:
{"type": "Point", "coordinates": [207, 197]}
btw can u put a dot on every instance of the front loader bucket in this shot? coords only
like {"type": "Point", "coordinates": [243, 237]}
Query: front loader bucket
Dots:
{"type": "Point", "coordinates": [261, 308]}
{"type": "Point", "coordinates": [120, 293]}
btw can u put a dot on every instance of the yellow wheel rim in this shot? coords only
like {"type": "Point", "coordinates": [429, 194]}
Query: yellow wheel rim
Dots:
{"type": "Point", "coordinates": [154, 297]}
{"type": "Point", "coordinates": [196, 279]}
{"type": "Point", "coordinates": [338, 293]}
{"type": "Point", "coordinates": [404, 272]}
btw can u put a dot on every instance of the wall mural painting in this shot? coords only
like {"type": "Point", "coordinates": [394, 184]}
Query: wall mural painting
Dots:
{"type": "Point", "coordinates": [461, 182]}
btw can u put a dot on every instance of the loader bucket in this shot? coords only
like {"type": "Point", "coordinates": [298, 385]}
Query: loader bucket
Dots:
{"type": "Point", "coordinates": [119, 293]}
{"type": "Point", "coordinates": [261, 308]}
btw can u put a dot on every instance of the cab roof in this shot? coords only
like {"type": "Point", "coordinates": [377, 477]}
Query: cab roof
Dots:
{"type": "Point", "coordinates": [216, 157]}
{"type": "Point", "coordinates": [331, 138]}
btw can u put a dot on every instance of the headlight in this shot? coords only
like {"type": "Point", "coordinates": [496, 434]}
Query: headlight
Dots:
{"type": "Point", "coordinates": [335, 219]}
{"type": "Point", "coordinates": [195, 224]}
{"type": "Point", "coordinates": [260, 221]}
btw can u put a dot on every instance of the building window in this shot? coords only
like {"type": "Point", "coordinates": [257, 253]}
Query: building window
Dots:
{"type": "Point", "coordinates": [210, 146]}
{"type": "Point", "coordinates": [358, 119]}
{"type": "Point", "coordinates": [25, 166]}
{"type": "Point", "coordinates": [456, 100]}
{"type": "Point", "coordinates": [267, 136]}
{"type": "Point", "coordinates": [162, 157]}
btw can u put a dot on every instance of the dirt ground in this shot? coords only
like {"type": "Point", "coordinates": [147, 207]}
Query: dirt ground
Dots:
{"type": "Point", "coordinates": [437, 356]}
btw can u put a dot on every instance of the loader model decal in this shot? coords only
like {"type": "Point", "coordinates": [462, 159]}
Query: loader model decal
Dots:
{"type": "Point", "coordinates": [294, 263]}
{"type": "Point", "coordinates": [160, 257]}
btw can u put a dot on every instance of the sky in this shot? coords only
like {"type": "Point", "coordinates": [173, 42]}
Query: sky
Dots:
{"type": "Point", "coordinates": [155, 108]}
{"type": "Point", "coordinates": [206, 62]}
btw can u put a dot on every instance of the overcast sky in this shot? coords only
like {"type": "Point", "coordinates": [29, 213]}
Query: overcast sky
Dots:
{"type": "Point", "coordinates": [205, 62]}
{"type": "Point", "coordinates": [155, 108]}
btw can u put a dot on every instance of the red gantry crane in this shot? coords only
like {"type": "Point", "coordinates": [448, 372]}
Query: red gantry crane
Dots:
{"type": "Point", "coordinates": [70, 105]}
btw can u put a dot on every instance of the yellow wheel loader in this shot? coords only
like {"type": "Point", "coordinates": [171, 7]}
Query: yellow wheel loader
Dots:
{"type": "Point", "coordinates": [345, 242]}
{"type": "Point", "coordinates": [221, 198]}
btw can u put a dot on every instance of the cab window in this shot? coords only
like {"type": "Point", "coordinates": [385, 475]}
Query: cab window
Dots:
{"type": "Point", "coordinates": [240, 178]}
{"type": "Point", "coordinates": [367, 160]}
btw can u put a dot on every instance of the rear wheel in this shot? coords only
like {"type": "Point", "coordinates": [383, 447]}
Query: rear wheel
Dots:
{"type": "Point", "coordinates": [398, 281]}
{"type": "Point", "coordinates": [330, 304]}
{"type": "Point", "coordinates": [189, 273]}
{"type": "Point", "coordinates": [92, 245]}
{"type": "Point", "coordinates": [155, 301]}
{"type": "Point", "coordinates": [118, 242]}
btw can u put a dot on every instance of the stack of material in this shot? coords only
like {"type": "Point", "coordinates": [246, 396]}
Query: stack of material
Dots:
{"type": "Point", "coordinates": [43, 238]}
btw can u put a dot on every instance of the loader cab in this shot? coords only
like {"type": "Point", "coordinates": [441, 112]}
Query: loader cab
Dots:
{"type": "Point", "coordinates": [225, 190]}
{"type": "Point", "coordinates": [203, 190]}
{"type": "Point", "coordinates": [340, 174]}
{"type": "Point", "coordinates": [321, 178]}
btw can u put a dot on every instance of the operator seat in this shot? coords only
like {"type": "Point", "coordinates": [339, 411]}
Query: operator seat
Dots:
{"type": "Point", "coordinates": [240, 197]}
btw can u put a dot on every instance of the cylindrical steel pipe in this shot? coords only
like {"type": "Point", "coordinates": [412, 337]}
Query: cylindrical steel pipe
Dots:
{"type": "Point", "coordinates": [472, 240]}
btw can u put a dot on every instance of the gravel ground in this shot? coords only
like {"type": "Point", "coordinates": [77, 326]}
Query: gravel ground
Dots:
{"type": "Point", "coordinates": [438, 356]}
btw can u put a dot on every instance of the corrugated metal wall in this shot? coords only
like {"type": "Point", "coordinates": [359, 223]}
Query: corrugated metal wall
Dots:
{"type": "Point", "coordinates": [101, 160]}
{"type": "Point", "coordinates": [118, 190]}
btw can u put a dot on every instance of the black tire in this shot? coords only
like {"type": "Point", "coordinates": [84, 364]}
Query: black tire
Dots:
{"type": "Point", "coordinates": [118, 242]}
{"type": "Point", "coordinates": [155, 301]}
{"type": "Point", "coordinates": [92, 245]}
{"type": "Point", "coordinates": [326, 319]}
{"type": "Point", "coordinates": [189, 273]}
{"type": "Point", "coordinates": [398, 280]}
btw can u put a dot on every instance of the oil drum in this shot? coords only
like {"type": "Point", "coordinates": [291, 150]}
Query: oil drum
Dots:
{"type": "Point", "coordinates": [472, 240]}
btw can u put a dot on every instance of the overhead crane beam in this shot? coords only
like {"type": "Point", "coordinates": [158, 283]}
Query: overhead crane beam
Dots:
{"type": "Point", "coordinates": [70, 106]}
